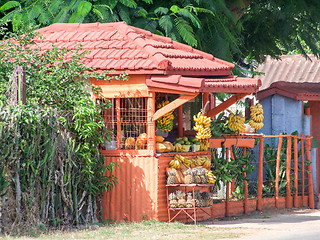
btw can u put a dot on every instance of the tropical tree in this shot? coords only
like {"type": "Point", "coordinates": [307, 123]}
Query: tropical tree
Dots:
{"type": "Point", "coordinates": [229, 29]}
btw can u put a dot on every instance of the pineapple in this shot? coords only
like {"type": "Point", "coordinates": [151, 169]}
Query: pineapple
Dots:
{"type": "Point", "coordinates": [171, 178]}
{"type": "Point", "coordinates": [206, 199]}
{"type": "Point", "coordinates": [188, 178]}
{"type": "Point", "coordinates": [196, 177]}
{"type": "Point", "coordinates": [190, 200]}
{"type": "Point", "coordinates": [198, 199]}
{"type": "Point", "coordinates": [173, 203]}
{"type": "Point", "coordinates": [203, 175]}
{"type": "Point", "coordinates": [181, 199]}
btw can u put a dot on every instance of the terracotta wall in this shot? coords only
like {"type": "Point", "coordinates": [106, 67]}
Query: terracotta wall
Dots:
{"type": "Point", "coordinates": [134, 197]}
{"type": "Point", "coordinates": [134, 87]}
{"type": "Point", "coordinates": [140, 192]}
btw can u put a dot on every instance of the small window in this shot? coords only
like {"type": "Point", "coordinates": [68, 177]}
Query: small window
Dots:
{"type": "Point", "coordinates": [133, 123]}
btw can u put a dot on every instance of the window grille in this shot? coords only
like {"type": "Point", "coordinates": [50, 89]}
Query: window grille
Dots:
{"type": "Point", "coordinates": [133, 121]}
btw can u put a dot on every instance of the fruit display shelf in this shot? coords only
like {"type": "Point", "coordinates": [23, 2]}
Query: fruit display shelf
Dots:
{"type": "Point", "coordinates": [190, 212]}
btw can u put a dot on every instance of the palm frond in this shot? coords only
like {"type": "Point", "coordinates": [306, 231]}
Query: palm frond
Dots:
{"type": "Point", "coordinates": [186, 31]}
{"type": "Point", "coordinates": [62, 16]}
{"type": "Point", "coordinates": [165, 22]}
{"type": "Point", "coordinates": [98, 13]}
{"type": "Point", "coordinates": [124, 14]}
{"type": "Point", "coordinates": [141, 12]}
{"type": "Point", "coordinates": [111, 3]}
{"type": "Point", "coordinates": [84, 8]}
{"type": "Point", "coordinates": [161, 11]}
{"type": "Point", "coordinates": [129, 3]}
{"type": "Point", "coordinates": [9, 5]}
{"type": "Point", "coordinates": [16, 21]}
{"type": "Point", "coordinates": [148, 1]}
{"type": "Point", "coordinates": [74, 18]}
{"type": "Point", "coordinates": [175, 9]}
{"type": "Point", "coordinates": [102, 11]}
{"type": "Point", "coordinates": [43, 16]}
{"type": "Point", "coordinates": [195, 21]}
{"type": "Point", "coordinates": [56, 6]}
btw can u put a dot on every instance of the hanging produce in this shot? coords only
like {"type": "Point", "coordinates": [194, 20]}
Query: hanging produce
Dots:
{"type": "Point", "coordinates": [211, 177]}
{"type": "Point", "coordinates": [204, 145]}
{"type": "Point", "coordinates": [256, 116]}
{"type": "Point", "coordinates": [236, 122]}
{"type": "Point", "coordinates": [202, 126]}
{"type": "Point", "coordinates": [165, 123]}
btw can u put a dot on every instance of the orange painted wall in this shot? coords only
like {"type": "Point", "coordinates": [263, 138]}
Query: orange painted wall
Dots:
{"type": "Point", "coordinates": [134, 87]}
{"type": "Point", "coordinates": [315, 132]}
{"type": "Point", "coordinates": [140, 192]}
{"type": "Point", "coordinates": [134, 197]}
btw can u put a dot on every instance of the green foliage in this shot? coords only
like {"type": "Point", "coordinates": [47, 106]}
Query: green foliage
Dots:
{"type": "Point", "coordinates": [50, 164]}
{"type": "Point", "coordinates": [3, 183]}
{"type": "Point", "coordinates": [225, 170]}
{"type": "Point", "coordinates": [283, 26]}
{"type": "Point", "coordinates": [220, 126]}
{"type": "Point", "coordinates": [231, 30]}
{"type": "Point", "coordinates": [270, 156]}
{"type": "Point", "coordinates": [269, 164]}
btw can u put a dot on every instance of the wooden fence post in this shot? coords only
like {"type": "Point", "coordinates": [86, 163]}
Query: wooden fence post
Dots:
{"type": "Point", "coordinates": [19, 80]}
{"type": "Point", "coordinates": [302, 166]}
{"type": "Point", "coordinates": [288, 173]}
{"type": "Point", "coordinates": [118, 116]}
{"type": "Point", "coordinates": [296, 185]}
{"type": "Point", "coordinates": [227, 187]}
{"type": "Point", "coordinates": [151, 125]}
{"type": "Point", "coordinates": [245, 185]}
{"type": "Point", "coordinates": [310, 184]}
{"type": "Point", "coordinates": [180, 122]}
{"type": "Point", "coordinates": [233, 183]}
{"type": "Point", "coordinates": [260, 175]}
{"type": "Point", "coordinates": [277, 170]}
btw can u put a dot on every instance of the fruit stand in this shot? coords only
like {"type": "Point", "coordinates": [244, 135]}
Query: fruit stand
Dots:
{"type": "Point", "coordinates": [143, 156]}
{"type": "Point", "coordinates": [164, 76]}
{"type": "Point", "coordinates": [155, 112]}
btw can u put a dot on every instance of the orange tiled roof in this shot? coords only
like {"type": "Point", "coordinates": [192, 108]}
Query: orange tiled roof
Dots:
{"type": "Point", "coordinates": [120, 47]}
{"type": "Point", "coordinates": [228, 84]}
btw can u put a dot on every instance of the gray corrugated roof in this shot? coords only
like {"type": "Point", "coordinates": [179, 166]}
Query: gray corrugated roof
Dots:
{"type": "Point", "coordinates": [291, 68]}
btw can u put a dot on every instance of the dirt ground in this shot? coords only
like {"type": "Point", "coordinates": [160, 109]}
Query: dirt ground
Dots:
{"type": "Point", "coordinates": [284, 224]}
{"type": "Point", "coordinates": [275, 224]}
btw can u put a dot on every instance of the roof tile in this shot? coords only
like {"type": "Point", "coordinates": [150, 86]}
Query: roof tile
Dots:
{"type": "Point", "coordinates": [79, 36]}
{"type": "Point", "coordinates": [92, 36]}
{"type": "Point", "coordinates": [290, 69]}
{"type": "Point", "coordinates": [120, 46]}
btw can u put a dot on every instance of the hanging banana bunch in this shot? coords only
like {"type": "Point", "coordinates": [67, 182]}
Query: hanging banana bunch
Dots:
{"type": "Point", "coordinates": [236, 122]}
{"type": "Point", "coordinates": [165, 123]}
{"type": "Point", "coordinates": [202, 126]}
{"type": "Point", "coordinates": [256, 116]}
{"type": "Point", "coordinates": [211, 177]}
{"type": "Point", "coordinates": [204, 145]}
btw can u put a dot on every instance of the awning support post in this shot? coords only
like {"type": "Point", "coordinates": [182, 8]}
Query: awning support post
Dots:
{"type": "Point", "coordinates": [213, 112]}
{"type": "Point", "coordinates": [173, 105]}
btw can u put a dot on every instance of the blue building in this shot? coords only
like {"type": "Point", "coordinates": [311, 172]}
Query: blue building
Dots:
{"type": "Point", "coordinates": [290, 96]}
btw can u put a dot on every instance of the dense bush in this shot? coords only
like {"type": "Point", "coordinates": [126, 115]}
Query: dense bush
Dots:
{"type": "Point", "coordinates": [51, 171]}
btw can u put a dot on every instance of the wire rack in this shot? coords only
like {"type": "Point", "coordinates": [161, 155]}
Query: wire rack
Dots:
{"type": "Point", "coordinates": [132, 116]}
